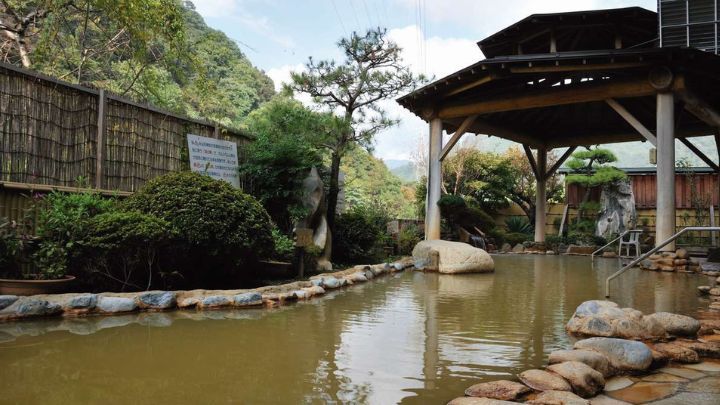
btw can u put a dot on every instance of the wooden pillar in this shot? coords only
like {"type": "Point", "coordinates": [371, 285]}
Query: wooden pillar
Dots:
{"type": "Point", "coordinates": [540, 195]}
{"type": "Point", "coordinates": [100, 140]}
{"type": "Point", "coordinates": [434, 181]}
{"type": "Point", "coordinates": [665, 221]}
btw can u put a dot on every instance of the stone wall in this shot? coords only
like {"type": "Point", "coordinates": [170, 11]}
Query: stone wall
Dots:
{"type": "Point", "coordinates": [71, 305]}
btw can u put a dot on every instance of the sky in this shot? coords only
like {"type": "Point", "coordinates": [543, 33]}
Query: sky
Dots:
{"type": "Point", "coordinates": [438, 37]}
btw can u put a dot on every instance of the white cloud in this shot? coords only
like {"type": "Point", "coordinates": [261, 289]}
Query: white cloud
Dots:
{"type": "Point", "coordinates": [281, 74]}
{"type": "Point", "coordinates": [215, 8]}
{"type": "Point", "coordinates": [238, 11]}
{"type": "Point", "coordinates": [434, 56]}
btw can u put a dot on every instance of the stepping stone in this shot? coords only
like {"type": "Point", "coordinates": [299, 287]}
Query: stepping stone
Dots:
{"type": "Point", "coordinates": [585, 381]}
{"type": "Point", "coordinates": [705, 366]}
{"type": "Point", "coordinates": [541, 380]}
{"type": "Point", "coordinates": [704, 385]}
{"type": "Point", "coordinates": [558, 397]}
{"type": "Point", "coordinates": [477, 401]}
{"type": "Point", "coordinates": [643, 392]}
{"type": "Point", "coordinates": [503, 389]}
{"type": "Point", "coordinates": [662, 377]}
{"type": "Point", "coordinates": [682, 372]}
{"type": "Point", "coordinates": [694, 398]}
{"type": "Point", "coordinates": [618, 383]}
{"type": "Point", "coordinates": [678, 353]}
{"type": "Point", "coordinates": [593, 359]}
{"type": "Point", "coordinates": [606, 400]}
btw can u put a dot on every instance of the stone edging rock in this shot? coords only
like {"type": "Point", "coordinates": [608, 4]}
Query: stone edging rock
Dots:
{"type": "Point", "coordinates": [13, 308]}
{"type": "Point", "coordinates": [604, 370]}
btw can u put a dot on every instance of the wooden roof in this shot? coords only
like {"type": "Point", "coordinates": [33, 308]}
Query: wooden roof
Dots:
{"type": "Point", "coordinates": [558, 100]}
{"type": "Point", "coordinates": [577, 30]}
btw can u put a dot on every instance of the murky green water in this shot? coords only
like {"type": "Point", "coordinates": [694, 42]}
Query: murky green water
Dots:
{"type": "Point", "coordinates": [411, 338]}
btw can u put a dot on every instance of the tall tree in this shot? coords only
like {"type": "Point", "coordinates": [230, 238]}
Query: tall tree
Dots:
{"type": "Point", "coordinates": [287, 145]}
{"type": "Point", "coordinates": [371, 71]}
{"type": "Point", "coordinates": [523, 189]}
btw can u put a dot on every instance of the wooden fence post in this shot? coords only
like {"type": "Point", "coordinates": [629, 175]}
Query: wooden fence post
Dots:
{"type": "Point", "coordinates": [100, 140]}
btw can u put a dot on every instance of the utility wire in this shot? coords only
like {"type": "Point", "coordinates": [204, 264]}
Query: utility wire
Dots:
{"type": "Point", "coordinates": [357, 20]}
{"type": "Point", "coordinates": [339, 18]}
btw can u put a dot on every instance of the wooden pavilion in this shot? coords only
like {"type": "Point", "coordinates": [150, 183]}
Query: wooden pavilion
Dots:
{"type": "Point", "coordinates": [571, 79]}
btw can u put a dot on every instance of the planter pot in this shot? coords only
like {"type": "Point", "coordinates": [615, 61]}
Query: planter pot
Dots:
{"type": "Point", "coordinates": [34, 287]}
{"type": "Point", "coordinates": [273, 269]}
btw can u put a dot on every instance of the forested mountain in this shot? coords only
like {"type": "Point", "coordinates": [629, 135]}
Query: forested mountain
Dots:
{"type": "Point", "coordinates": [368, 181]}
{"type": "Point", "coordinates": [156, 51]}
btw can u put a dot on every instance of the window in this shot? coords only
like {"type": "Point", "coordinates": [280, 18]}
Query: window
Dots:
{"type": "Point", "coordinates": [691, 23]}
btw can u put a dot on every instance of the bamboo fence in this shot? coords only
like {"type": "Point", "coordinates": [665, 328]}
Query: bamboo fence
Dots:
{"type": "Point", "coordinates": [54, 133]}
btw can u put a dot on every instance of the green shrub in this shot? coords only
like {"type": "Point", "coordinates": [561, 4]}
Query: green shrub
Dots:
{"type": "Point", "coordinates": [456, 211]}
{"type": "Point", "coordinates": [10, 249]}
{"type": "Point", "coordinates": [284, 246]}
{"type": "Point", "coordinates": [518, 225]}
{"type": "Point", "coordinates": [475, 217]}
{"type": "Point", "coordinates": [498, 235]}
{"type": "Point", "coordinates": [360, 235]}
{"type": "Point", "coordinates": [61, 220]}
{"type": "Point", "coordinates": [120, 250]}
{"type": "Point", "coordinates": [408, 237]}
{"type": "Point", "coordinates": [219, 227]}
{"type": "Point", "coordinates": [515, 238]}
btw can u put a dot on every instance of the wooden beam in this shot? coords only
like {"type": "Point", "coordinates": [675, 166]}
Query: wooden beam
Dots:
{"type": "Point", "coordinates": [602, 137]}
{"type": "Point", "coordinates": [462, 129]}
{"type": "Point", "coordinates": [699, 108]}
{"type": "Point", "coordinates": [634, 122]}
{"type": "Point", "coordinates": [560, 161]}
{"type": "Point", "coordinates": [100, 140]}
{"type": "Point", "coordinates": [700, 154]}
{"type": "Point", "coordinates": [575, 68]}
{"type": "Point", "coordinates": [531, 159]}
{"type": "Point", "coordinates": [469, 86]}
{"type": "Point", "coordinates": [12, 185]}
{"type": "Point", "coordinates": [483, 127]}
{"type": "Point", "coordinates": [562, 95]}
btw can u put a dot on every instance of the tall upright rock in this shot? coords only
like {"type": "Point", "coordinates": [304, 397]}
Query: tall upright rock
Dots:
{"type": "Point", "coordinates": [617, 209]}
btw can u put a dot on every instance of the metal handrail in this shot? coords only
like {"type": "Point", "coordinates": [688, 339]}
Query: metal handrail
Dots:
{"type": "Point", "coordinates": [656, 249]}
{"type": "Point", "coordinates": [592, 256]}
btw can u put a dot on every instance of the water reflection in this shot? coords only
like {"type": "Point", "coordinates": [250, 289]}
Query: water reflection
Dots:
{"type": "Point", "coordinates": [413, 339]}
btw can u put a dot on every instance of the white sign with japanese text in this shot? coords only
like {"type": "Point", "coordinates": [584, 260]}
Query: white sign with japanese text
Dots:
{"type": "Point", "coordinates": [214, 157]}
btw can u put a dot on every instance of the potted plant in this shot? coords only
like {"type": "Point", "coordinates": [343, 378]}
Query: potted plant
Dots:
{"type": "Point", "coordinates": [19, 274]}
{"type": "Point", "coordinates": [280, 263]}
{"type": "Point", "coordinates": [44, 259]}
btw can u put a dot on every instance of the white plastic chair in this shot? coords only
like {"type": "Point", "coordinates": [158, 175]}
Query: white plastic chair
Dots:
{"type": "Point", "coordinates": [632, 241]}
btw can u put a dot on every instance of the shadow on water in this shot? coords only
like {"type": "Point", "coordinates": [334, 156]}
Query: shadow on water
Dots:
{"type": "Point", "coordinates": [413, 339]}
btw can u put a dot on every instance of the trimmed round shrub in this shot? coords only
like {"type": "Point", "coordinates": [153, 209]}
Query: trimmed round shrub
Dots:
{"type": "Point", "coordinates": [516, 238]}
{"type": "Point", "coordinates": [456, 211]}
{"type": "Point", "coordinates": [220, 227]}
{"type": "Point", "coordinates": [120, 251]}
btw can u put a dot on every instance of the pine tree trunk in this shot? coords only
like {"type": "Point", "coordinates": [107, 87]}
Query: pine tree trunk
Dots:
{"type": "Point", "coordinates": [333, 190]}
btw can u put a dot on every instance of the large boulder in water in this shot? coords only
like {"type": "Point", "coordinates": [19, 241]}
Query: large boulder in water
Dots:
{"type": "Point", "coordinates": [451, 257]}
{"type": "Point", "coordinates": [623, 355]}
{"type": "Point", "coordinates": [605, 318]}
